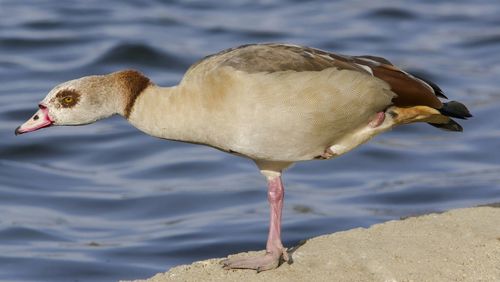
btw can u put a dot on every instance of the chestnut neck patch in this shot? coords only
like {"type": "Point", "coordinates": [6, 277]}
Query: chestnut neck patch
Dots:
{"type": "Point", "coordinates": [68, 98]}
{"type": "Point", "coordinates": [132, 83]}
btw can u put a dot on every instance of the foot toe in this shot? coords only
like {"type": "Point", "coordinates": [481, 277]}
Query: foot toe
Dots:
{"type": "Point", "coordinates": [259, 263]}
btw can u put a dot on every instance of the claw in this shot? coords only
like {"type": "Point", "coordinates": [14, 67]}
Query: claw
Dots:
{"type": "Point", "coordinates": [284, 255]}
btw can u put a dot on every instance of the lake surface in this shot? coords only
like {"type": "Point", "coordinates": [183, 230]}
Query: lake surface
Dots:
{"type": "Point", "coordinates": [105, 202]}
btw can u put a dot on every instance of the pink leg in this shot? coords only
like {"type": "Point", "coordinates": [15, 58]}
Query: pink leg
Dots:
{"type": "Point", "coordinates": [275, 196]}
{"type": "Point", "coordinates": [274, 247]}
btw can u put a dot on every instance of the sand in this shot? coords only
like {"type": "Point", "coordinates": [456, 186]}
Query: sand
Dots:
{"type": "Point", "coordinates": [459, 245]}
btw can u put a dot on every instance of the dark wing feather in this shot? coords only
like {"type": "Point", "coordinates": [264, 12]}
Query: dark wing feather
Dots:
{"type": "Point", "coordinates": [374, 58]}
{"type": "Point", "coordinates": [437, 89]}
{"type": "Point", "coordinates": [280, 57]}
{"type": "Point", "coordinates": [410, 90]}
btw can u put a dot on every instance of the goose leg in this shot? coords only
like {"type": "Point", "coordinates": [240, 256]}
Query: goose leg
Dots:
{"type": "Point", "coordinates": [274, 248]}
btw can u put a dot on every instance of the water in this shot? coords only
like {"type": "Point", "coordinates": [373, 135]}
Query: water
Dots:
{"type": "Point", "coordinates": [105, 202]}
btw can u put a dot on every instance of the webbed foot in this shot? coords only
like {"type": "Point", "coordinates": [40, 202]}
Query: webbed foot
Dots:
{"type": "Point", "coordinates": [270, 260]}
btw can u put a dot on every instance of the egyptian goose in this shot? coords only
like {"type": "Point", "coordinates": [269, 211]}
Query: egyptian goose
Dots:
{"type": "Point", "coordinates": [275, 104]}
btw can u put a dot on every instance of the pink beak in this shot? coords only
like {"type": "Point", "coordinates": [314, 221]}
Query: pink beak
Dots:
{"type": "Point", "coordinates": [39, 120]}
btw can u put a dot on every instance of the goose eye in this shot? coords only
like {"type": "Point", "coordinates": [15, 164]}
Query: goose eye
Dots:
{"type": "Point", "coordinates": [68, 98]}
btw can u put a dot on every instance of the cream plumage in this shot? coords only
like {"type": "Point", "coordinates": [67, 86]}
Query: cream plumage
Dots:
{"type": "Point", "coordinates": [273, 103]}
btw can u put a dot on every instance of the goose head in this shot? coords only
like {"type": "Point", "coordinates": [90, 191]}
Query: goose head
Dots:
{"type": "Point", "coordinates": [85, 100]}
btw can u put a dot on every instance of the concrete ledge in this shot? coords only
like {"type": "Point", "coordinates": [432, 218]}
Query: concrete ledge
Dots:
{"type": "Point", "coordinates": [459, 245]}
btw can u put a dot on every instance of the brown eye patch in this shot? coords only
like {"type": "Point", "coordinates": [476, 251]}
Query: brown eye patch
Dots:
{"type": "Point", "coordinates": [68, 98]}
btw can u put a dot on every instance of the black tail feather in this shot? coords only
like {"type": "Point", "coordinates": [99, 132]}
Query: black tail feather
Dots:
{"type": "Point", "coordinates": [450, 126]}
{"type": "Point", "coordinates": [455, 109]}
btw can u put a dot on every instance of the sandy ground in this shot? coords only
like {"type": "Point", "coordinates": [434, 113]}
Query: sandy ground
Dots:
{"type": "Point", "coordinates": [459, 245]}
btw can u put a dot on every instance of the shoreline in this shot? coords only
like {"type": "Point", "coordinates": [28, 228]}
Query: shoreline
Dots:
{"type": "Point", "coordinates": [457, 245]}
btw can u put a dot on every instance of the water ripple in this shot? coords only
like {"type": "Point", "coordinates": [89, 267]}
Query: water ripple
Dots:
{"type": "Point", "coordinates": [140, 54]}
{"type": "Point", "coordinates": [482, 41]}
{"type": "Point", "coordinates": [389, 13]}
{"type": "Point", "coordinates": [104, 202]}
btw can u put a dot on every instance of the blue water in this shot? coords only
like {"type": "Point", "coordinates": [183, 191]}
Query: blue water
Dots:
{"type": "Point", "coordinates": [106, 202]}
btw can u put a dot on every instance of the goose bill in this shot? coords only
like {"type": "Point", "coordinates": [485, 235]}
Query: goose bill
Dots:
{"type": "Point", "coordinates": [39, 120]}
